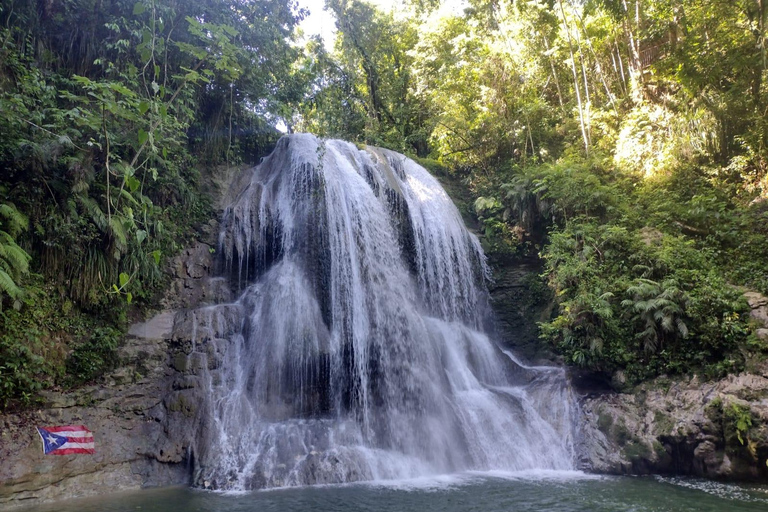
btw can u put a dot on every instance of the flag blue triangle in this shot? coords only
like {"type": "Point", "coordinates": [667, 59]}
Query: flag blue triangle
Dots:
{"type": "Point", "coordinates": [51, 441]}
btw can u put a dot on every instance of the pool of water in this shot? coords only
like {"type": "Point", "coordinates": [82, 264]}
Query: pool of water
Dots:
{"type": "Point", "coordinates": [487, 492]}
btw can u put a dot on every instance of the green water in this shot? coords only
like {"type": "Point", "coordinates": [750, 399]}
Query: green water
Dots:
{"type": "Point", "coordinates": [566, 492]}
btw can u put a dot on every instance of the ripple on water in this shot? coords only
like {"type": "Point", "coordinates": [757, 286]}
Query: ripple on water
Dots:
{"type": "Point", "coordinates": [526, 491]}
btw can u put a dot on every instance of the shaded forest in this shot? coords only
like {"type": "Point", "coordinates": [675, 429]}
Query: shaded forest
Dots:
{"type": "Point", "coordinates": [625, 143]}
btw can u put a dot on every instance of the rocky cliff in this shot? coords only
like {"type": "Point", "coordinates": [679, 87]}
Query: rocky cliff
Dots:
{"type": "Point", "coordinates": [715, 430]}
{"type": "Point", "coordinates": [144, 415]}
{"type": "Point", "coordinates": [687, 426]}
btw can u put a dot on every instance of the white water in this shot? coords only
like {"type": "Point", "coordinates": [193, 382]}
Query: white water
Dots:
{"type": "Point", "coordinates": [356, 350]}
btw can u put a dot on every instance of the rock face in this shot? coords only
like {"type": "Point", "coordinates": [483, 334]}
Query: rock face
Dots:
{"type": "Point", "coordinates": [520, 299]}
{"type": "Point", "coordinates": [141, 439]}
{"type": "Point", "coordinates": [689, 427]}
{"type": "Point", "coordinates": [714, 430]}
{"type": "Point", "coordinates": [144, 416]}
{"type": "Point", "coordinates": [759, 305]}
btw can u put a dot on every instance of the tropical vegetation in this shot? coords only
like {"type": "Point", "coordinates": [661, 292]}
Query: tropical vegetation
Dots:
{"type": "Point", "coordinates": [622, 142]}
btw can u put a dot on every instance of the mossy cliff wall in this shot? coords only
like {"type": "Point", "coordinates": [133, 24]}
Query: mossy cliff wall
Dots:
{"type": "Point", "coordinates": [144, 415]}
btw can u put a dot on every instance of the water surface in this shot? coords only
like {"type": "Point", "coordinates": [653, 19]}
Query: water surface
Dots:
{"type": "Point", "coordinates": [487, 492]}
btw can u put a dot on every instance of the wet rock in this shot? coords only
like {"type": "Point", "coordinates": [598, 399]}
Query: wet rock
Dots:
{"type": "Point", "coordinates": [519, 300]}
{"type": "Point", "coordinates": [158, 327]}
{"type": "Point", "coordinates": [144, 415]}
{"type": "Point", "coordinates": [708, 429]}
{"type": "Point", "coordinates": [130, 426]}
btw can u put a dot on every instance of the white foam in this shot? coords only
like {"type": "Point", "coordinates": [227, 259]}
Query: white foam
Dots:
{"type": "Point", "coordinates": [541, 475]}
{"type": "Point", "coordinates": [736, 492]}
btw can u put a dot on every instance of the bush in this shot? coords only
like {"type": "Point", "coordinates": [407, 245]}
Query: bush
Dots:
{"type": "Point", "coordinates": [50, 342]}
{"type": "Point", "coordinates": [643, 272]}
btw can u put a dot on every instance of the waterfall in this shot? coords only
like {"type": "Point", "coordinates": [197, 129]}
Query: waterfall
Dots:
{"type": "Point", "coordinates": [357, 349]}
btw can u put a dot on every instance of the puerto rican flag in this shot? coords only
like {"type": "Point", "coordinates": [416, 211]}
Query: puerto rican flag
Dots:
{"type": "Point", "coordinates": [66, 439]}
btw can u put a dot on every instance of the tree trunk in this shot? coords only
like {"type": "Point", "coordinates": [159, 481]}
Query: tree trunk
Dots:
{"type": "Point", "coordinates": [576, 85]}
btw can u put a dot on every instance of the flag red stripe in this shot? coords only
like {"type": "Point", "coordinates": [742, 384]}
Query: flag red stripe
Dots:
{"type": "Point", "coordinates": [70, 451]}
{"type": "Point", "coordinates": [67, 428]}
{"type": "Point", "coordinates": [88, 439]}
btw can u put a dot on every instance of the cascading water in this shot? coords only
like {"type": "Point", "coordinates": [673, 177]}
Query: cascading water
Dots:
{"type": "Point", "coordinates": [356, 349]}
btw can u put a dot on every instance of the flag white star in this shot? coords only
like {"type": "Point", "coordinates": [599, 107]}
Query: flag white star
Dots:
{"type": "Point", "coordinates": [51, 439]}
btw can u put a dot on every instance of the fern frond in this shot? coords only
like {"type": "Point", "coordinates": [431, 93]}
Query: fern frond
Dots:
{"type": "Point", "coordinates": [7, 285]}
{"type": "Point", "coordinates": [668, 323]}
{"type": "Point", "coordinates": [13, 219]}
{"type": "Point", "coordinates": [13, 259]}
{"type": "Point", "coordinates": [117, 230]}
{"type": "Point", "coordinates": [94, 211]}
{"type": "Point", "coordinates": [128, 197]}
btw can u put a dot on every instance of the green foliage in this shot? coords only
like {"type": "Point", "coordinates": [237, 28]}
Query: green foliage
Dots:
{"type": "Point", "coordinates": [660, 308]}
{"type": "Point", "coordinates": [108, 112]}
{"type": "Point", "coordinates": [50, 342]}
{"type": "Point", "coordinates": [636, 292]}
{"type": "Point", "coordinates": [498, 237]}
{"type": "Point", "coordinates": [365, 90]}
{"type": "Point", "coordinates": [739, 419]}
{"type": "Point", "coordinates": [93, 356]}
{"type": "Point", "coordinates": [14, 261]}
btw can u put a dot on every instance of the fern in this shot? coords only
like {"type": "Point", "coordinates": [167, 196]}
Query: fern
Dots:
{"type": "Point", "coordinates": [659, 308]}
{"type": "Point", "coordinates": [13, 219]}
{"type": "Point", "coordinates": [14, 261]}
{"type": "Point", "coordinates": [119, 235]}
{"type": "Point", "coordinates": [94, 211]}
{"type": "Point", "coordinates": [8, 286]}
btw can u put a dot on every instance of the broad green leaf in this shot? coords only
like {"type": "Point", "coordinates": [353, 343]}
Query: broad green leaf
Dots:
{"type": "Point", "coordinates": [156, 256]}
{"type": "Point", "coordinates": [143, 136]}
{"type": "Point", "coordinates": [139, 8]}
{"type": "Point", "coordinates": [141, 235]}
{"type": "Point", "coordinates": [133, 183]}
{"type": "Point", "coordinates": [82, 80]}
{"type": "Point", "coordinates": [123, 279]}
{"type": "Point", "coordinates": [129, 297]}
